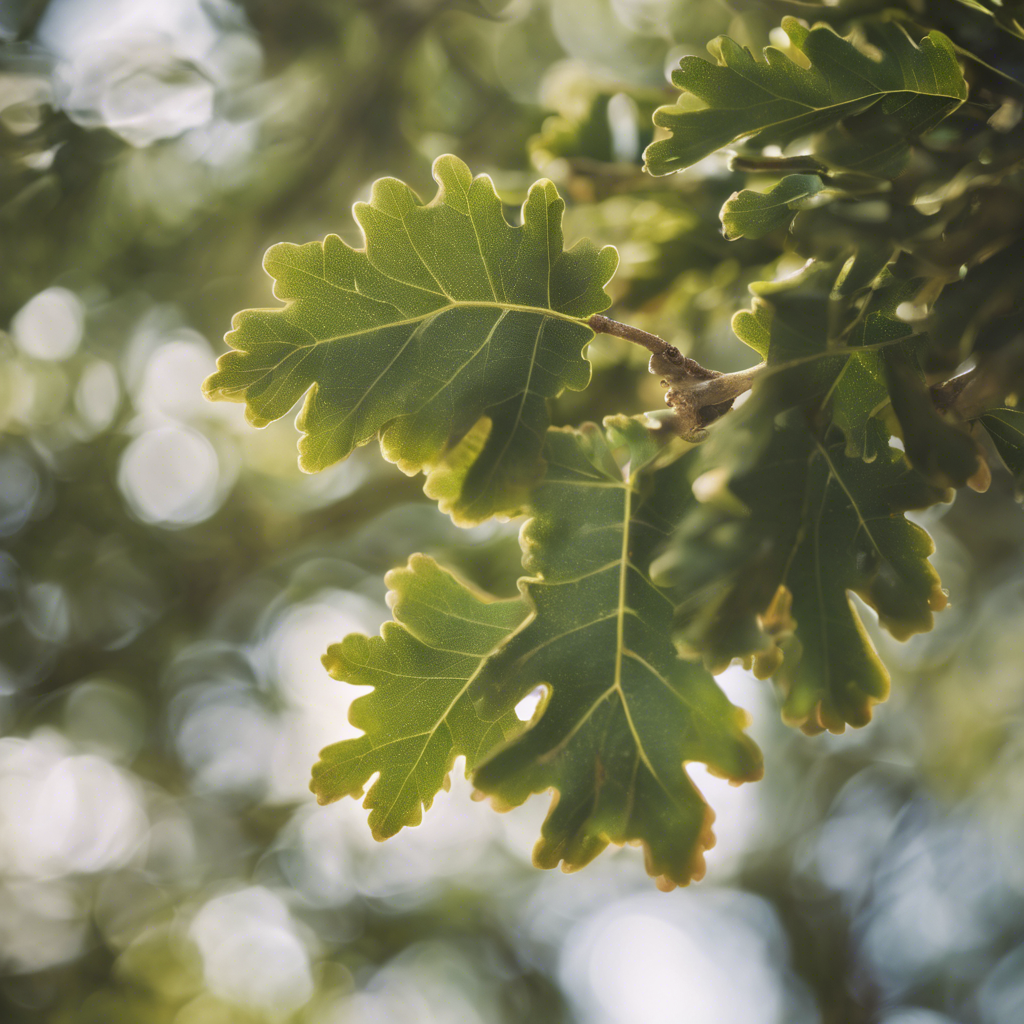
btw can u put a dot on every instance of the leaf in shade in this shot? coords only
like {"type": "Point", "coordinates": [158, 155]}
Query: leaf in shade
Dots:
{"type": "Point", "coordinates": [790, 521]}
{"type": "Point", "coordinates": [623, 713]}
{"type": "Point", "coordinates": [808, 317]}
{"type": "Point", "coordinates": [419, 717]}
{"type": "Point", "coordinates": [1006, 428]}
{"type": "Point", "coordinates": [445, 334]}
{"type": "Point", "coordinates": [942, 451]}
{"type": "Point", "coordinates": [854, 539]}
{"type": "Point", "coordinates": [765, 566]}
{"type": "Point", "coordinates": [909, 89]}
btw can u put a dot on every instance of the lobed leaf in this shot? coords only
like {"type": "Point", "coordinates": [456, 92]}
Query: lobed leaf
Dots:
{"type": "Point", "coordinates": [790, 521]}
{"type": "Point", "coordinates": [446, 334]}
{"type": "Point", "coordinates": [623, 713]}
{"type": "Point", "coordinates": [419, 717]}
{"type": "Point", "coordinates": [908, 89]}
{"type": "Point", "coordinates": [766, 565]}
{"type": "Point", "coordinates": [853, 539]}
{"type": "Point", "coordinates": [940, 450]}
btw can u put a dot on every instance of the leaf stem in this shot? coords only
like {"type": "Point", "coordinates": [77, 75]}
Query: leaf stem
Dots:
{"type": "Point", "coordinates": [781, 164]}
{"type": "Point", "coordinates": [699, 396]}
{"type": "Point", "coordinates": [655, 345]}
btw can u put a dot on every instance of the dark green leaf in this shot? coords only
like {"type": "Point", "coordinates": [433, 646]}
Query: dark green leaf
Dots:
{"type": "Point", "coordinates": [942, 451]}
{"type": "Point", "coordinates": [793, 516]}
{"type": "Point", "coordinates": [809, 319]}
{"type": "Point", "coordinates": [1006, 428]}
{"type": "Point", "coordinates": [766, 565]}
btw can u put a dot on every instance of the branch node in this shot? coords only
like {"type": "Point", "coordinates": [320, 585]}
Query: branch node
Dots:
{"type": "Point", "coordinates": [698, 396]}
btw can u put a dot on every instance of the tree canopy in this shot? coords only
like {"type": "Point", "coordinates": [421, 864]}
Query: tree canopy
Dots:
{"type": "Point", "coordinates": [689, 337]}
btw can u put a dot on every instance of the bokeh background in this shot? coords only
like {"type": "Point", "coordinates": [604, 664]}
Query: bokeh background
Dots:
{"type": "Point", "coordinates": [169, 580]}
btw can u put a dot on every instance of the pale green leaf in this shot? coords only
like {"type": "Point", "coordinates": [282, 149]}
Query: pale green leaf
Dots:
{"type": "Point", "coordinates": [775, 101]}
{"type": "Point", "coordinates": [419, 717]}
{"type": "Point", "coordinates": [445, 334]}
{"type": "Point", "coordinates": [623, 713]}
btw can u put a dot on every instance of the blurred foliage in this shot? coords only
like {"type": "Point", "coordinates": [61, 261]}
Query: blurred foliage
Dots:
{"type": "Point", "coordinates": [168, 579]}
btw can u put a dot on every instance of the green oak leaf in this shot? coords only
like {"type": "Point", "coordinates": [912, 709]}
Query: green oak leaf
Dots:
{"type": "Point", "coordinates": [775, 101]}
{"type": "Point", "coordinates": [587, 134]}
{"type": "Point", "coordinates": [809, 319]}
{"type": "Point", "coordinates": [853, 539]}
{"type": "Point", "coordinates": [750, 214]}
{"type": "Point", "coordinates": [860, 391]}
{"type": "Point", "coordinates": [797, 510]}
{"type": "Point", "coordinates": [726, 560]}
{"type": "Point", "coordinates": [785, 533]}
{"type": "Point", "coordinates": [869, 354]}
{"type": "Point", "coordinates": [1008, 15]}
{"type": "Point", "coordinates": [419, 717]}
{"type": "Point", "coordinates": [1006, 428]}
{"type": "Point", "coordinates": [623, 714]}
{"type": "Point", "coordinates": [445, 334]}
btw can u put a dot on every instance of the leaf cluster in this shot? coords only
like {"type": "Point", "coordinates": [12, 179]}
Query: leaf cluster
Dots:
{"type": "Point", "coordinates": [886, 157]}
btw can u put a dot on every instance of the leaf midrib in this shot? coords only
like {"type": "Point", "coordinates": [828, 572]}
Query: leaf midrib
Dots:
{"type": "Point", "coordinates": [621, 651]}
{"type": "Point", "coordinates": [806, 109]}
{"type": "Point", "coordinates": [461, 304]}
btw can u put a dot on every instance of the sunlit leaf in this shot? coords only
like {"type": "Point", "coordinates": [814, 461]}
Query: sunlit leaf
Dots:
{"type": "Point", "coordinates": [419, 717]}
{"type": "Point", "coordinates": [623, 713]}
{"type": "Point", "coordinates": [750, 214]}
{"type": "Point", "coordinates": [446, 335]}
{"type": "Point", "coordinates": [775, 101]}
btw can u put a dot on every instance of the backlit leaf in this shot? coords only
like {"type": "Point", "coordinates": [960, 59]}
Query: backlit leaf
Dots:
{"type": "Point", "coordinates": [750, 214]}
{"type": "Point", "coordinates": [446, 334]}
{"type": "Point", "coordinates": [623, 713]}
{"type": "Point", "coordinates": [775, 101]}
{"type": "Point", "coordinates": [418, 718]}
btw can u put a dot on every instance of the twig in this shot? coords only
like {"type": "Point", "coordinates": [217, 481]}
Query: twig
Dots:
{"type": "Point", "coordinates": [655, 345]}
{"type": "Point", "coordinates": [698, 395]}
